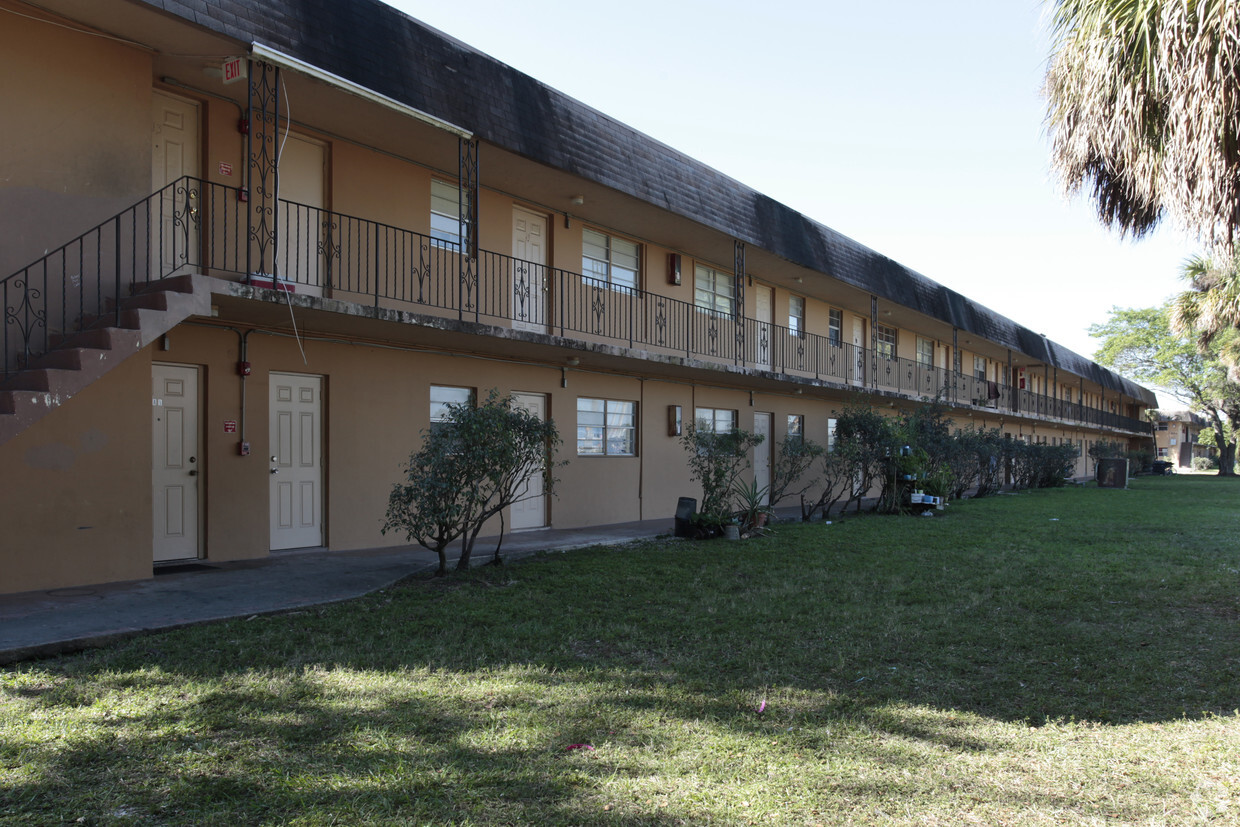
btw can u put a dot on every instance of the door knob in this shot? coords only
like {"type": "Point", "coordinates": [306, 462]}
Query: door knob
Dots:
{"type": "Point", "coordinates": [193, 472]}
{"type": "Point", "coordinates": [275, 470]}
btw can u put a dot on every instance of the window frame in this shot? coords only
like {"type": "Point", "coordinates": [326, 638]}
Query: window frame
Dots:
{"type": "Point", "coordinates": [886, 347]}
{"type": "Point", "coordinates": [606, 273]}
{"type": "Point", "coordinates": [606, 428]}
{"type": "Point", "coordinates": [441, 237]}
{"type": "Point", "coordinates": [438, 418]}
{"type": "Point", "coordinates": [714, 419]}
{"type": "Point", "coordinates": [924, 359]}
{"type": "Point", "coordinates": [794, 429]}
{"type": "Point", "coordinates": [796, 320]}
{"type": "Point", "coordinates": [835, 326]}
{"type": "Point", "coordinates": [979, 367]}
{"type": "Point", "coordinates": [716, 277]}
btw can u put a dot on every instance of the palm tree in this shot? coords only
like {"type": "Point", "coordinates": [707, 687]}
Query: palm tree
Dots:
{"type": "Point", "coordinates": [1210, 308]}
{"type": "Point", "coordinates": [1144, 111]}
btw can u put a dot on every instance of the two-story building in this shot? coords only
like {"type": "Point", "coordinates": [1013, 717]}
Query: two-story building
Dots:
{"type": "Point", "coordinates": [252, 249]}
{"type": "Point", "coordinates": [1177, 438]}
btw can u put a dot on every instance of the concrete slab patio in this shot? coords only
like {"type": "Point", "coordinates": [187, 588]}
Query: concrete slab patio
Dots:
{"type": "Point", "coordinates": [41, 624]}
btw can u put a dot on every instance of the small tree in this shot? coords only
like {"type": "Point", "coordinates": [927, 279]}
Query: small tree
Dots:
{"type": "Point", "coordinates": [867, 439]}
{"type": "Point", "coordinates": [473, 465]}
{"type": "Point", "coordinates": [794, 458]}
{"type": "Point", "coordinates": [836, 478]}
{"type": "Point", "coordinates": [716, 460]}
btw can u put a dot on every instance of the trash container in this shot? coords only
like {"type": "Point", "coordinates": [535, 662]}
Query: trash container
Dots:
{"type": "Point", "coordinates": [686, 507]}
{"type": "Point", "coordinates": [1113, 472]}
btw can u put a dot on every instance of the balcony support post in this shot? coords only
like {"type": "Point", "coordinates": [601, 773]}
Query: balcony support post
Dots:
{"type": "Point", "coordinates": [956, 366]}
{"type": "Point", "coordinates": [467, 227]}
{"type": "Point", "coordinates": [263, 170]}
{"type": "Point", "coordinates": [874, 341]}
{"type": "Point", "coordinates": [738, 315]}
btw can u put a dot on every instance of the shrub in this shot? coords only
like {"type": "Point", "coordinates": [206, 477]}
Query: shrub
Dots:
{"type": "Point", "coordinates": [716, 462]}
{"type": "Point", "coordinates": [1205, 463]}
{"type": "Point", "coordinates": [469, 469]}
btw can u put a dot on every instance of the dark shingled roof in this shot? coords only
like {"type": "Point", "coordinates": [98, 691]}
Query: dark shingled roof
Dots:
{"type": "Point", "coordinates": [385, 50]}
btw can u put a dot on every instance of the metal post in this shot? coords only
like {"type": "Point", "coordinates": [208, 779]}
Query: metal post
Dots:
{"type": "Point", "coordinates": [738, 315]}
{"type": "Point", "coordinates": [873, 341]}
{"type": "Point", "coordinates": [955, 379]}
{"type": "Point", "coordinates": [116, 226]}
{"type": "Point", "coordinates": [467, 227]}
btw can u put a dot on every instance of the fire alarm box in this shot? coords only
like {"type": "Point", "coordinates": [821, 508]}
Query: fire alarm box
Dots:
{"type": "Point", "coordinates": [673, 268]}
{"type": "Point", "coordinates": [1020, 382]}
{"type": "Point", "coordinates": [243, 368]}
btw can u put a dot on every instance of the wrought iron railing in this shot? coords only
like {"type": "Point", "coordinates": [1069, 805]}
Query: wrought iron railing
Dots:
{"type": "Point", "coordinates": [196, 226]}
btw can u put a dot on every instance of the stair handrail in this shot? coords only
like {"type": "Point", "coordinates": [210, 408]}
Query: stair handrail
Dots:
{"type": "Point", "coordinates": [78, 285]}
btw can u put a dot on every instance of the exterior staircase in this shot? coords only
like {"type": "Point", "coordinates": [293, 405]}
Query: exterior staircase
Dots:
{"type": "Point", "coordinates": [55, 377]}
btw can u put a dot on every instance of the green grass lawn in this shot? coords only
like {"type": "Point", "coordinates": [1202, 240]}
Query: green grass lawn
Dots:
{"type": "Point", "coordinates": [1055, 657]}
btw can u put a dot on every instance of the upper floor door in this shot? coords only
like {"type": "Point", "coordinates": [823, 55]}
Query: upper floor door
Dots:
{"type": "Point", "coordinates": [176, 207]}
{"type": "Point", "coordinates": [764, 313]}
{"type": "Point", "coordinates": [301, 223]}
{"type": "Point", "coordinates": [529, 271]}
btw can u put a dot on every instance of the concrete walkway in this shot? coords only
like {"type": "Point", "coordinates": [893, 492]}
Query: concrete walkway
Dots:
{"type": "Point", "coordinates": [39, 624]}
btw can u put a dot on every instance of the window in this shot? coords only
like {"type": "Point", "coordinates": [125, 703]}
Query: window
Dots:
{"type": "Point", "coordinates": [715, 420]}
{"type": "Point", "coordinates": [445, 213]}
{"type": "Point", "coordinates": [442, 396]}
{"type": "Point", "coordinates": [1162, 426]}
{"type": "Point", "coordinates": [714, 290]}
{"type": "Point", "coordinates": [796, 315]}
{"type": "Point", "coordinates": [610, 260]}
{"type": "Point", "coordinates": [885, 341]}
{"type": "Point", "coordinates": [831, 434]}
{"type": "Point", "coordinates": [796, 430]}
{"type": "Point", "coordinates": [606, 427]}
{"type": "Point", "coordinates": [925, 351]}
{"type": "Point", "coordinates": [835, 326]}
{"type": "Point", "coordinates": [979, 367]}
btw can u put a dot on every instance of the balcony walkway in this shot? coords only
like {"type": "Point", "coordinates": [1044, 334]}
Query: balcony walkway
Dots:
{"type": "Point", "coordinates": [194, 226]}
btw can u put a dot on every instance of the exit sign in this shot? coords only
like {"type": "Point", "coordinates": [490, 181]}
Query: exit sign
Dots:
{"type": "Point", "coordinates": [234, 69]}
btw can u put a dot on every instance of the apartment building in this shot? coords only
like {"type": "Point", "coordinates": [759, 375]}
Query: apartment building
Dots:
{"type": "Point", "coordinates": [1177, 438]}
{"type": "Point", "coordinates": [251, 250]}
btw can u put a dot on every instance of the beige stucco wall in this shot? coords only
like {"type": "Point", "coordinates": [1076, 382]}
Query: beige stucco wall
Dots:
{"type": "Point", "coordinates": [76, 135]}
{"type": "Point", "coordinates": [75, 488]}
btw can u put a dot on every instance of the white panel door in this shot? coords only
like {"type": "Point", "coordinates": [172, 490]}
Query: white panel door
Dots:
{"type": "Point", "coordinates": [762, 454]}
{"type": "Point", "coordinates": [296, 461]}
{"type": "Point", "coordinates": [764, 312]}
{"type": "Point", "coordinates": [858, 377]}
{"type": "Point", "coordinates": [529, 271]}
{"type": "Point", "coordinates": [303, 197]}
{"type": "Point", "coordinates": [531, 510]}
{"type": "Point", "coordinates": [174, 462]}
{"type": "Point", "coordinates": [174, 154]}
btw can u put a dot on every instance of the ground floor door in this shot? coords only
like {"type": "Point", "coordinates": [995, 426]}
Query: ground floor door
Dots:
{"type": "Point", "coordinates": [762, 454]}
{"type": "Point", "coordinates": [531, 510]}
{"type": "Point", "coordinates": [529, 271]}
{"type": "Point", "coordinates": [296, 461]}
{"type": "Point", "coordinates": [174, 462]}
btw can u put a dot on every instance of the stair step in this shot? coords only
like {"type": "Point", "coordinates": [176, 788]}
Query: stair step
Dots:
{"type": "Point", "coordinates": [80, 358]}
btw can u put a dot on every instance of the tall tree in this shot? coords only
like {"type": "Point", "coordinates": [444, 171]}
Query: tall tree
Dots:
{"type": "Point", "coordinates": [1143, 101]}
{"type": "Point", "coordinates": [1142, 345]}
{"type": "Point", "coordinates": [1210, 308]}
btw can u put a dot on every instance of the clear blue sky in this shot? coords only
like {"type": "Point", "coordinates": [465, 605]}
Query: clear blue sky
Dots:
{"type": "Point", "coordinates": [914, 127]}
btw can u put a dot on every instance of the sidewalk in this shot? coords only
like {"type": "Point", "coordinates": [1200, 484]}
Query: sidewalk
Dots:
{"type": "Point", "coordinates": [39, 624]}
